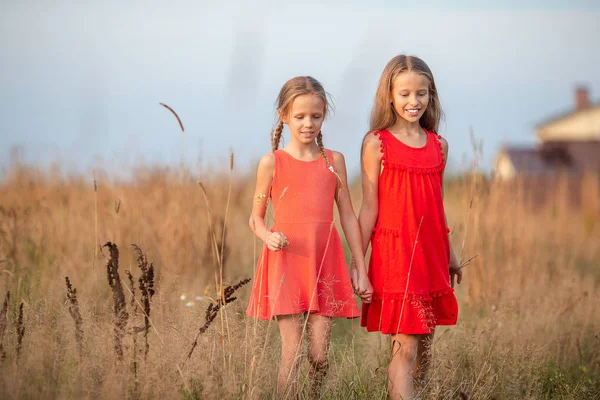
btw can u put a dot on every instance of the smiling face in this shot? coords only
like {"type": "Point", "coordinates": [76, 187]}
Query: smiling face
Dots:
{"type": "Point", "coordinates": [410, 95]}
{"type": "Point", "coordinates": [305, 118]}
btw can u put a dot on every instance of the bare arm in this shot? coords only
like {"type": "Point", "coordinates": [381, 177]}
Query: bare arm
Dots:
{"type": "Point", "coordinates": [264, 178]}
{"type": "Point", "coordinates": [454, 266]}
{"type": "Point", "coordinates": [358, 272]}
{"type": "Point", "coordinates": [347, 216]}
{"type": "Point", "coordinates": [371, 167]}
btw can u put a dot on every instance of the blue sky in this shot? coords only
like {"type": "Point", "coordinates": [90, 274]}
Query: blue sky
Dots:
{"type": "Point", "coordinates": [81, 82]}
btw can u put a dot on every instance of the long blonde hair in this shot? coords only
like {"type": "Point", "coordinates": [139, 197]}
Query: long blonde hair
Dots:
{"type": "Point", "coordinates": [293, 88]}
{"type": "Point", "coordinates": [384, 115]}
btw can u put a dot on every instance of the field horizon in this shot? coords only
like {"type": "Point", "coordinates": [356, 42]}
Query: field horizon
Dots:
{"type": "Point", "coordinates": [528, 325]}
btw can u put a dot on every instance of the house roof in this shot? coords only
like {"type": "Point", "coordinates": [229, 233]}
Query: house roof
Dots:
{"type": "Point", "coordinates": [566, 114]}
{"type": "Point", "coordinates": [553, 157]}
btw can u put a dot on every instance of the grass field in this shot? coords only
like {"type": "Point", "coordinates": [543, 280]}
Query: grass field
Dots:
{"type": "Point", "coordinates": [528, 328]}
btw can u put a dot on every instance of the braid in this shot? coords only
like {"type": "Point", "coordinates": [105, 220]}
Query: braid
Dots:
{"type": "Point", "coordinates": [322, 150]}
{"type": "Point", "coordinates": [276, 135]}
{"type": "Point", "coordinates": [327, 162]}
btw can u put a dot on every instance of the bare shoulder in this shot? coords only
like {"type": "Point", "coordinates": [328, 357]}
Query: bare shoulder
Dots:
{"type": "Point", "coordinates": [266, 163]}
{"type": "Point", "coordinates": [443, 143]}
{"type": "Point", "coordinates": [268, 160]}
{"type": "Point", "coordinates": [337, 156]}
{"type": "Point", "coordinates": [371, 147]}
{"type": "Point", "coordinates": [338, 160]}
{"type": "Point", "coordinates": [371, 143]}
{"type": "Point", "coordinates": [371, 138]}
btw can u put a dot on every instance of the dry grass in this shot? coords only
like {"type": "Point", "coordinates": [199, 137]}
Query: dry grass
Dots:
{"type": "Point", "coordinates": [529, 321]}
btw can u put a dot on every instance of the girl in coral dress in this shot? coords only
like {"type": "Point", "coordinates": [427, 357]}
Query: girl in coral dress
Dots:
{"type": "Point", "coordinates": [302, 275]}
{"type": "Point", "coordinates": [412, 266]}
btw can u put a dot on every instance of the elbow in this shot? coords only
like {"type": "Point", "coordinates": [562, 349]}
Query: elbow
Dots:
{"type": "Point", "coordinates": [252, 223]}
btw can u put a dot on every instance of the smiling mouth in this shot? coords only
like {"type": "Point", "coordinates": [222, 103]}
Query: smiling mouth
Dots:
{"type": "Point", "coordinates": [413, 111]}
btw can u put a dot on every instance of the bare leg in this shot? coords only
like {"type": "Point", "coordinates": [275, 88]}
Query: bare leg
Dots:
{"type": "Point", "coordinates": [423, 358]}
{"type": "Point", "coordinates": [290, 329]}
{"type": "Point", "coordinates": [319, 335]}
{"type": "Point", "coordinates": [402, 365]}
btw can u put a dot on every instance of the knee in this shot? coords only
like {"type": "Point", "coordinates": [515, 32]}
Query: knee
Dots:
{"type": "Point", "coordinates": [406, 352]}
{"type": "Point", "coordinates": [290, 349]}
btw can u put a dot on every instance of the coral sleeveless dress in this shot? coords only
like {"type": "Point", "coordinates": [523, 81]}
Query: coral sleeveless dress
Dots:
{"type": "Point", "coordinates": [310, 274]}
{"type": "Point", "coordinates": [410, 248]}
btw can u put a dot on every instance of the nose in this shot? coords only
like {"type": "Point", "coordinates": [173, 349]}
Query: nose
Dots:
{"type": "Point", "coordinates": [413, 100]}
{"type": "Point", "coordinates": [308, 122]}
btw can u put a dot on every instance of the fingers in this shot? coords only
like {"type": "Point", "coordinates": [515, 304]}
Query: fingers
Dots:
{"type": "Point", "coordinates": [364, 291]}
{"type": "Point", "coordinates": [366, 296]}
{"type": "Point", "coordinates": [284, 240]}
{"type": "Point", "coordinates": [276, 241]}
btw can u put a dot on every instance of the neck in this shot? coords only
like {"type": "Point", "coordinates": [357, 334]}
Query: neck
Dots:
{"type": "Point", "coordinates": [302, 148]}
{"type": "Point", "coordinates": [403, 126]}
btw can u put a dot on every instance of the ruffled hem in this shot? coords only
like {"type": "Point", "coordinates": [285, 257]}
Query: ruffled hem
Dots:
{"type": "Point", "coordinates": [412, 296]}
{"type": "Point", "coordinates": [412, 313]}
{"type": "Point", "coordinates": [393, 231]}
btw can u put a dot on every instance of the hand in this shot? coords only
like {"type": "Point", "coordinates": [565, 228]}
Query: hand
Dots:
{"type": "Point", "coordinates": [365, 289]}
{"type": "Point", "coordinates": [276, 241]}
{"type": "Point", "coordinates": [455, 272]}
{"type": "Point", "coordinates": [361, 284]}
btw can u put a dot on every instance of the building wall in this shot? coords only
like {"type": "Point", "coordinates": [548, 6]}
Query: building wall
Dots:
{"type": "Point", "coordinates": [584, 125]}
{"type": "Point", "coordinates": [504, 169]}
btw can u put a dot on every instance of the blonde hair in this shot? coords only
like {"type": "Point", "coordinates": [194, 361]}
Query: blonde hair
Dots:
{"type": "Point", "coordinates": [384, 115]}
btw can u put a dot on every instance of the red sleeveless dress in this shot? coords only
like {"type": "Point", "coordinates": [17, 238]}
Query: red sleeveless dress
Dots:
{"type": "Point", "coordinates": [310, 274]}
{"type": "Point", "coordinates": [410, 249]}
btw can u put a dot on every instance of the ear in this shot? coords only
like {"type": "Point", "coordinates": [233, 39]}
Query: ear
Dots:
{"type": "Point", "coordinates": [284, 118]}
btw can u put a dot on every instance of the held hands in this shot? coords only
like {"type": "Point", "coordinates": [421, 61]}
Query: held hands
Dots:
{"type": "Point", "coordinates": [276, 241]}
{"type": "Point", "coordinates": [361, 284]}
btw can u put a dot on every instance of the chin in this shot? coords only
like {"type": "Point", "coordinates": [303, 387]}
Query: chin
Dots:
{"type": "Point", "coordinates": [411, 118]}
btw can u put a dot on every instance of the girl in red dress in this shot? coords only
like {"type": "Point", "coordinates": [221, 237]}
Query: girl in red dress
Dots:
{"type": "Point", "coordinates": [302, 277]}
{"type": "Point", "coordinates": [412, 266]}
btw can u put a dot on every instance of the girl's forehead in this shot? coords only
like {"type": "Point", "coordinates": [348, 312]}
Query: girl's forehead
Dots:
{"type": "Point", "coordinates": [305, 101]}
{"type": "Point", "coordinates": [411, 79]}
